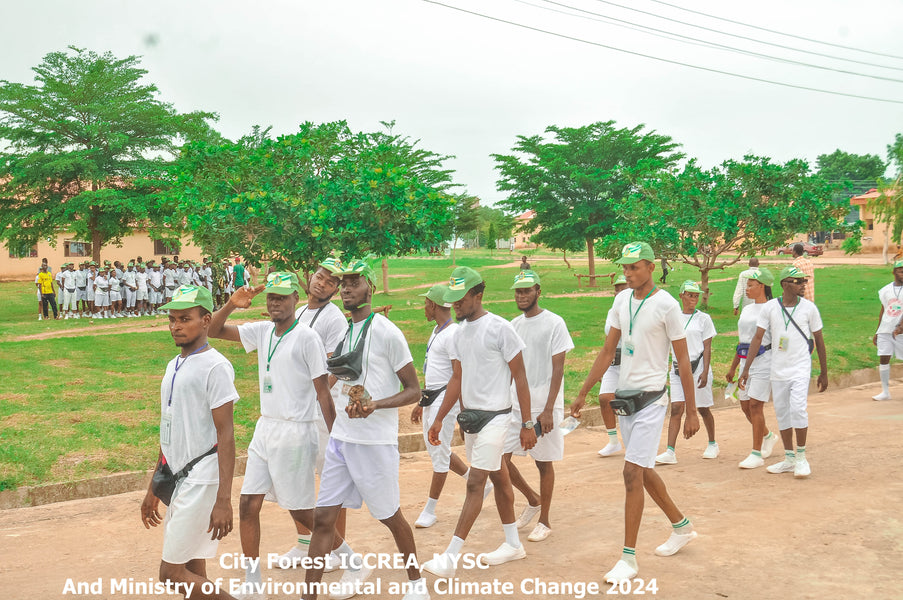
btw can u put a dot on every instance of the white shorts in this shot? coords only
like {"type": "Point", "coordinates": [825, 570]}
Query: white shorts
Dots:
{"type": "Point", "coordinates": [322, 442]}
{"type": "Point", "coordinates": [358, 473]}
{"type": "Point", "coordinates": [641, 433]}
{"type": "Point", "coordinates": [548, 448]}
{"type": "Point", "coordinates": [888, 345]}
{"type": "Point", "coordinates": [141, 295]}
{"type": "Point", "coordinates": [758, 385]}
{"type": "Point", "coordinates": [485, 449]}
{"type": "Point", "coordinates": [790, 400]}
{"type": "Point", "coordinates": [81, 294]}
{"type": "Point", "coordinates": [89, 293]}
{"type": "Point", "coordinates": [168, 292]}
{"type": "Point", "coordinates": [440, 455]}
{"type": "Point", "coordinates": [102, 299]}
{"type": "Point", "coordinates": [704, 396]}
{"type": "Point", "coordinates": [130, 297]}
{"type": "Point", "coordinates": [155, 297]}
{"type": "Point", "coordinates": [115, 296]}
{"type": "Point", "coordinates": [70, 300]}
{"type": "Point", "coordinates": [609, 383]}
{"type": "Point", "coordinates": [185, 535]}
{"type": "Point", "coordinates": [281, 459]}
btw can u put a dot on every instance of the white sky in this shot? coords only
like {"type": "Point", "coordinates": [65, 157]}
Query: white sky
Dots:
{"type": "Point", "coordinates": [466, 85]}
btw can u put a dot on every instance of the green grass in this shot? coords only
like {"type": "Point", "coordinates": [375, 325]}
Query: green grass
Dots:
{"type": "Point", "coordinates": [83, 406]}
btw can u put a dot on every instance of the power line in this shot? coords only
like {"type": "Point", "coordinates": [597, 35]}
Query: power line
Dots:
{"type": "Point", "coordinates": [743, 37]}
{"type": "Point", "coordinates": [729, 48]}
{"type": "Point", "coordinates": [799, 37]}
{"type": "Point", "coordinates": [665, 60]}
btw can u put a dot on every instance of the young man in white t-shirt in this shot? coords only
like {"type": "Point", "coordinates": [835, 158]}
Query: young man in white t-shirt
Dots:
{"type": "Point", "coordinates": [196, 398]}
{"type": "Point", "coordinates": [547, 342]}
{"type": "Point", "coordinates": [437, 371]}
{"type": "Point", "coordinates": [792, 321]}
{"type": "Point", "coordinates": [647, 321]}
{"type": "Point", "coordinates": [292, 381]}
{"type": "Point", "coordinates": [68, 280]}
{"type": "Point", "coordinates": [486, 355]}
{"type": "Point", "coordinates": [888, 317]}
{"type": "Point", "coordinates": [81, 288]}
{"type": "Point", "coordinates": [609, 385]}
{"type": "Point", "coordinates": [362, 455]}
{"type": "Point", "coordinates": [142, 294]}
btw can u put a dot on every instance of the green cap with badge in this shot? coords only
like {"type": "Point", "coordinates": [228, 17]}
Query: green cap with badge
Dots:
{"type": "Point", "coordinates": [188, 296]}
{"type": "Point", "coordinates": [898, 264]}
{"type": "Point", "coordinates": [792, 272]}
{"type": "Point", "coordinates": [359, 267]}
{"type": "Point", "coordinates": [525, 279]}
{"type": "Point", "coordinates": [635, 252]}
{"type": "Point", "coordinates": [437, 295]}
{"type": "Point", "coordinates": [282, 283]}
{"type": "Point", "coordinates": [690, 286]}
{"type": "Point", "coordinates": [621, 280]}
{"type": "Point", "coordinates": [461, 281]}
{"type": "Point", "coordinates": [333, 265]}
{"type": "Point", "coordinates": [763, 276]}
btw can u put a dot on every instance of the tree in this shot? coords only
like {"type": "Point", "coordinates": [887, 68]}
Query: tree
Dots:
{"type": "Point", "coordinates": [87, 149]}
{"type": "Point", "coordinates": [856, 173]}
{"type": "Point", "coordinates": [888, 207]}
{"type": "Point", "coordinates": [465, 218]}
{"type": "Point", "coordinates": [743, 208]}
{"type": "Point", "coordinates": [572, 175]}
{"type": "Point", "coordinates": [491, 237]}
{"type": "Point", "coordinates": [495, 218]}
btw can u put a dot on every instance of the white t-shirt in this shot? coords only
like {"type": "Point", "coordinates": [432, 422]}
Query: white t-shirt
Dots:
{"type": "Point", "coordinates": [204, 381]}
{"type": "Point", "coordinates": [437, 365]}
{"type": "Point", "coordinates": [544, 336]}
{"type": "Point", "coordinates": [610, 318]}
{"type": "Point", "coordinates": [184, 276]}
{"type": "Point", "coordinates": [68, 279]}
{"type": "Point", "coordinates": [485, 347]}
{"type": "Point", "coordinates": [130, 278]}
{"type": "Point", "coordinates": [297, 359]}
{"type": "Point", "coordinates": [385, 353]}
{"type": "Point", "coordinates": [330, 324]}
{"type": "Point", "coordinates": [102, 284]}
{"type": "Point", "coordinates": [169, 277]}
{"type": "Point", "coordinates": [699, 328]}
{"type": "Point", "coordinates": [645, 351]}
{"type": "Point", "coordinates": [793, 361]}
{"type": "Point", "coordinates": [746, 328]}
{"type": "Point", "coordinates": [891, 298]}
{"type": "Point", "coordinates": [81, 278]}
{"type": "Point", "coordinates": [114, 284]}
{"type": "Point", "coordinates": [155, 278]}
{"type": "Point", "coordinates": [141, 281]}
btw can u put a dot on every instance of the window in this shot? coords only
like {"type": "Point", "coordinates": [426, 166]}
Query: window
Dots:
{"type": "Point", "coordinates": [23, 251]}
{"type": "Point", "coordinates": [74, 249]}
{"type": "Point", "coordinates": [162, 247]}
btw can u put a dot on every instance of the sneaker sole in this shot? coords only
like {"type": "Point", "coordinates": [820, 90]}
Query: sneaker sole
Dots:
{"type": "Point", "coordinates": [689, 538]}
{"type": "Point", "coordinates": [496, 563]}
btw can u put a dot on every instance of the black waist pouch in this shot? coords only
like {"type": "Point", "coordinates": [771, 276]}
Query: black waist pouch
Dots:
{"type": "Point", "coordinates": [427, 397]}
{"type": "Point", "coordinates": [164, 480]}
{"type": "Point", "coordinates": [348, 366]}
{"type": "Point", "coordinates": [629, 402]}
{"type": "Point", "coordinates": [693, 365]}
{"type": "Point", "coordinates": [472, 420]}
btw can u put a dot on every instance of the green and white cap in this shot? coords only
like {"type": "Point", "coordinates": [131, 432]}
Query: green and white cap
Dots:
{"type": "Point", "coordinates": [282, 283]}
{"type": "Point", "coordinates": [690, 286]}
{"type": "Point", "coordinates": [437, 295]}
{"type": "Point", "coordinates": [461, 281]}
{"type": "Point", "coordinates": [763, 276]}
{"type": "Point", "coordinates": [188, 296]}
{"type": "Point", "coordinates": [621, 280]}
{"type": "Point", "coordinates": [359, 267]}
{"type": "Point", "coordinates": [792, 272]}
{"type": "Point", "coordinates": [635, 252]}
{"type": "Point", "coordinates": [898, 264]}
{"type": "Point", "coordinates": [333, 265]}
{"type": "Point", "coordinates": [525, 279]}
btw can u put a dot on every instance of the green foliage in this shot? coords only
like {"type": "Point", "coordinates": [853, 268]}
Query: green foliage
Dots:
{"type": "Point", "coordinates": [86, 150]}
{"type": "Point", "coordinates": [297, 198]}
{"type": "Point", "coordinates": [856, 173]}
{"type": "Point", "coordinates": [491, 237]}
{"type": "Point", "coordinates": [895, 153]}
{"type": "Point", "coordinates": [493, 224]}
{"type": "Point", "coordinates": [465, 215]}
{"type": "Point", "coordinates": [852, 244]}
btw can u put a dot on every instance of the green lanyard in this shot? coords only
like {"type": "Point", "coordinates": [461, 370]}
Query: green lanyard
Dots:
{"type": "Point", "coordinates": [790, 318]}
{"type": "Point", "coordinates": [630, 307]}
{"type": "Point", "coordinates": [359, 333]}
{"type": "Point", "coordinates": [687, 324]}
{"type": "Point", "coordinates": [270, 350]}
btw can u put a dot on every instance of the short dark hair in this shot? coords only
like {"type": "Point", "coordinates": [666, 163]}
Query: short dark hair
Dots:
{"type": "Point", "coordinates": [753, 262]}
{"type": "Point", "coordinates": [477, 289]}
{"type": "Point", "coordinates": [798, 249]}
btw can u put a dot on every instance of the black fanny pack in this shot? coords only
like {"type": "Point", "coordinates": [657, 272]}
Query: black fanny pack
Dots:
{"type": "Point", "coordinates": [472, 420]}
{"type": "Point", "coordinates": [743, 350]}
{"type": "Point", "coordinates": [693, 365]}
{"type": "Point", "coordinates": [164, 481]}
{"type": "Point", "coordinates": [427, 397]}
{"type": "Point", "coordinates": [616, 361]}
{"type": "Point", "coordinates": [348, 366]}
{"type": "Point", "coordinates": [629, 402]}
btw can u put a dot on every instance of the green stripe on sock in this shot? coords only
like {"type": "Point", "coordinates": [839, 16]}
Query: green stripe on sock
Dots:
{"type": "Point", "coordinates": [756, 453]}
{"type": "Point", "coordinates": [630, 551]}
{"type": "Point", "coordinates": [612, 433]}
{"type": "Point", "coordinates": [303, 542]}
{"type": "Point", "coordinates": [671, 448]}
{"type": "Point", "coordinates": [683, 523]}
{"type": "Point", "coordinates": [789, 453]}
{"type": "Point", "coordinates": [712, 443]}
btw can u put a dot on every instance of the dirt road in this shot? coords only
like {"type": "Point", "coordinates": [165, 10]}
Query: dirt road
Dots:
{"type": "Point", "coordinates": [838, 534]}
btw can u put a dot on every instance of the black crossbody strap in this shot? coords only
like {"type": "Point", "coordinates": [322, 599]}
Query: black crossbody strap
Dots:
{"type": "Point", "coordinates": [184, 472]}
{"type": "Point", "coordinates": [784, 308]}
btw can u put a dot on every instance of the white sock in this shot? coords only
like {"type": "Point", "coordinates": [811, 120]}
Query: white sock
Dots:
{"type": "Point", "coordinates": [884, 372]}
{"type": "Point", "coordinates": [253, 575]}
{"type": "Point", "coordinates": [345, 551]}
{"type": "Point", "coordinates": [454, 546]}
{"type": "Point", "coordinates": [466, 474]}
{"type": "Point", "coordinates": [612, 435]}
{"type": "Point", "coordinates": [431, 506]}
{"type": "Point", "coordinates": [304, 541]}
{"type": "Point", "coordinates": [511, 536]}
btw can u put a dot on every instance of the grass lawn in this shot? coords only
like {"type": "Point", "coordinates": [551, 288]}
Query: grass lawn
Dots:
{"type": "Point", "coordinates": [86, 405]}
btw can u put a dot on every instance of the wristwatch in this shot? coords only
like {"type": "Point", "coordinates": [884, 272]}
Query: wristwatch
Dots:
{"type": "Point", "coordinates": [527, 425]}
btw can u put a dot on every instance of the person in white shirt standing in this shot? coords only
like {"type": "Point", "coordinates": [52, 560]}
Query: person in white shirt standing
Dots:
{"type": "Point", "coordinates": [700, 331]}
{"type": "Point", "coordinates": [547, 342]}
{"type": "Point", "coordinates": [740, 299]}
{"type": "Point", "coordinates": [649, 321]}
{"type": "Point", "coordinates": [130, 285]}
{"type": "Point", "coordinates": [69, 281]}
{"type": "Point", "coordinates": [487, 355]}
{"type": "Point", "coordinates": [196, 434]}
{"type": "Point", "coordinates": [142, 293]}
{"type": "Point", "coordinates": [81, 287]}
{"type": "Point", "coordinates": [795, 326]}
{"type": "Point", "coordinates": [609, 384]}
{"type": "Point", "coordinates": [888, 317]}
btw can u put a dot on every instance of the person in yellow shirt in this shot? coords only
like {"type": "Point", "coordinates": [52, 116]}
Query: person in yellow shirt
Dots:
{"type": "Point", "coordinates": [45, 286]}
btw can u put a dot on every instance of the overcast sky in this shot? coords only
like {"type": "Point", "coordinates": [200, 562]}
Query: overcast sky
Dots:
{"type": "Point", "coordinates": [466, 85]}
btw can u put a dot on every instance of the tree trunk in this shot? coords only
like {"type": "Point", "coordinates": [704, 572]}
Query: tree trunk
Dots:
{"type": "Point", "coordinates": [704, 284]}
{"type": "Point", "coordinates": [385, 276]}
{"type": "Point", "coordinates": [887, 234]}
{"type": "Point", "coordinates": [454, 246]}
{"type": "Point", "coordinates": [590, 251]}
{"type": "Point", "coordinates": [565, 257]}
{"type": "Point", "coordinates": [95, 237]}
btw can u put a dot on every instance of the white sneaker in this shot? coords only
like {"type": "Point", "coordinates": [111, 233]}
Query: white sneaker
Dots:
{"type": "Point", "coordinates": [504, 553]}
{"type": "Point", "coordinates": [752, 462]}
{"type": "Point", "coordinates": [539, 533]}
{"type": "Point", "coordinates": [40, 317]}
{"type": "Point", "coordinates": [881, 397]}
{"type": "Point", "coordinates": [675, 542]}
{"type": "Point", "coordinates": [349, 584]}
{"type": "Point", "coordinates": [332, 563]}
{"type": "Point", "coordinates": [611, 448]}
{"type": "Point", "coordinates": [528, 515]}
{"type": "Point", "coordinates": [291, 559]}
{"type": "Point", "coordinates": [785, 466]}
{"type": "Point", "coordinates": [425, 520]}
{"type": "Point", "coordinates": [711, 451]}
{"type": "Point", "coordinates": [441, 566]}
{"type": "Point", "coordinates": [768, 444]}
{"type": "Point", "coordinates": [621, 572]}
{"type": "Point", "coordinates": [418, 592]}
{"type": "Point", "coordinates": [668, 457]}
{"type": "Point", "coordinates": [801, 468]}
{"type": "Point", "coordinates": [67, 317]}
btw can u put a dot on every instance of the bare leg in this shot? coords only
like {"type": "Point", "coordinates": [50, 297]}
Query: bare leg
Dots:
{"type": "Point", "coordinates": [787, 439]}
{"type": "Point", "coordinates": [473, 501]}
{"type": "Point", "coordinates": [321, 543]}
{"type": "Point", "coordinates": [677, 411]}
{"type": "Point", "coordinates": [757, 418]}
{"type": "Point", "coordinates": [519, 483]}
{"type": "Point", "coordinates": [404, 541]}
{"type": "Point", "coordinates": [744, 406]}
{"type": "Point", "coordinates": [546, 487]}
{"type": "Point", "coordinates": [633, 502]}
{"type": "Point", "coordinates": [608, 415]}
{"type": "Point", "coordinates": [659, 494]}
{"type": "Point", "coordinates": [801, 436]}
{"type": "Point", "coordinates": [708, 420]}
{"type": "Point", "coordinates": [194, 572]}
{"type": "Point", "coordinates": [249, 523]}
{"type": "Point", "coordinates": [504, 494]}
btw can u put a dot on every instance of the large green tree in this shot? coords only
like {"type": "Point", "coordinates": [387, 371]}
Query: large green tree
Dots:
{"type": "Point", "coordinates": [86, 149]}
{"type": "Point", "coordinates": [572, 176]}
{"type": "Point", "coordinates": [711, 219]}
{"type": "Point", "coordinates": [856, 173]}
{"type": "Point", "coordinates": [888, 206]}
{"type": "Point", "coordinates": [465, 219]}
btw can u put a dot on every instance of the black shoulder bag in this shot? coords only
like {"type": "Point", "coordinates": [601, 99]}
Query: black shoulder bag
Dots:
{"type": "Point", "coordinates": [427, 397]}
{"type": "Point", "coordinates": [630, 402]}
{"type": "Point", "coordinates": [473, 420]}
{"type": "Point", "coordinates": [789, 316]}
{"type": "Point", "coordinates": [164, 481]}
{"type": "Point", "coordinates": [349, 366]}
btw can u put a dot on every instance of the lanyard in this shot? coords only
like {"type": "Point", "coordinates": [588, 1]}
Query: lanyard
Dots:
{"type": "Point", "coordinates": [172, 384]}
{"type": "Point", "coordinates": [897, 290]}
{"type": "Point", "coordinates": [789, 318]}
{"type": "Point", "coordinates": [436, 334]}
{"type": "Point", "coordinates": [314, 320]}
{"type": "Point", "coordinates": [687, 324]}
{"type": "Point", "coordinates": [359, 333]}
{"type": "Point", "coordinates": [630, 307]}
{"type": "Point", "coordinates": [270, 350]}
